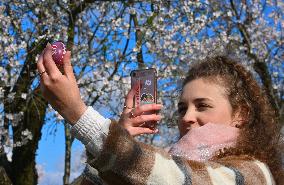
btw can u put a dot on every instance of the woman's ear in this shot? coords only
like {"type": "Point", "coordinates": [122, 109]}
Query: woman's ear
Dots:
{"type": "Point", "coordinates": [240, 117]}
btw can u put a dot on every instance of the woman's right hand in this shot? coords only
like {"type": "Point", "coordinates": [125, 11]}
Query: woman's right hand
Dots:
{"type": "Point", "coordinates": [135, 121]}
{"type": "Point", "coordinates": [60, 89]}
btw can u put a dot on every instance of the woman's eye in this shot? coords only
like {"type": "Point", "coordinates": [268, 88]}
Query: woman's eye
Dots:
{"type": "Point", "coordinates": [181, 110]}
{"type": "Point", "coordinates": [202, 106]}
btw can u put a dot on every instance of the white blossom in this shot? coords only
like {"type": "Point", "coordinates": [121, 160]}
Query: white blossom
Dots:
{"type": "Point", "coordinates": [24, 95]}
{"type": "Point", "coordinates": [116, 78]}
{"type": "Point", "coordinates": [9, 116]}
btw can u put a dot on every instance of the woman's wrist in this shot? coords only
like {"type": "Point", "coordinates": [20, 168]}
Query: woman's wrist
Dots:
{"type": "Point", "coordinates": [91, 129]}
{"type": "Point", "coordinates": [73, 115]}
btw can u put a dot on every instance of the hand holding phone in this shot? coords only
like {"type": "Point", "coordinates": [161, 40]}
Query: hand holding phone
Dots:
{"type": "Point", "coordinates": [145, 81]}
{"type": "Point", "coordinates": [139, 115]}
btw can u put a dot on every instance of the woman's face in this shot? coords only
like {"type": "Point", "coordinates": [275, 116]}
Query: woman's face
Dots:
{"type": "Point", "coordinates": [202, 102]}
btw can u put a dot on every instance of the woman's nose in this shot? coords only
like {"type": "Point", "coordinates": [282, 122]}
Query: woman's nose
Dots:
{"type": "Point", "coordinates": [190, 118]}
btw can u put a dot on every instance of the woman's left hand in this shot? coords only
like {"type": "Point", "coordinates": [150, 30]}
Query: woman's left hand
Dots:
{"type": "Point", "coordinates": [60, 90]}
{"type": "Point", "coordinates": [135, 121]}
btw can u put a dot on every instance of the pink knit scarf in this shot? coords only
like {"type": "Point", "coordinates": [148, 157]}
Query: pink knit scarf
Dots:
{"type": "Point", "coordinates": [202, 143]}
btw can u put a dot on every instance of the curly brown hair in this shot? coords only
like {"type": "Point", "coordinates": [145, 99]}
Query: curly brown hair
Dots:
{"type": "Point", "coordinates": [260, 135]}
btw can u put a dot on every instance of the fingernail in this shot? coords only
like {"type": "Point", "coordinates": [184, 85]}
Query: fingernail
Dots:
{"type": "Point", "coordinates": [48, 44]}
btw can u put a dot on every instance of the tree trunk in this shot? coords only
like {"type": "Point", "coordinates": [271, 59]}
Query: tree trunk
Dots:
{"type": "Point", "coordinates": [22, 169]}
{"type": "Point", "coordinates": [23, 160]}
{"type": "Point", "coordinates": [68, 144]}
{"type": "Point", "coordinates": [4, 179]}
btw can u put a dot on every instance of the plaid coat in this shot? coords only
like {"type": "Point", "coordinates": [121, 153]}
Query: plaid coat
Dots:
{"type": "Point", "coordinates": [120, 160]}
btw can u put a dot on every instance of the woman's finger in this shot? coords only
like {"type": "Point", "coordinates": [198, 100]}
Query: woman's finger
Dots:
{"type": "Point", "coordinates": [147, 108]}
{"type": "Point", "coordinates": [142, 130]}
{"type": "Point", "coordinates": [48, 62]}
{"type": "Point", "coordinates": [128, 105]}
{"type": "Point", "coordinates": [40, 67]}
{"type": "Point", "coordinates": [143, 119]}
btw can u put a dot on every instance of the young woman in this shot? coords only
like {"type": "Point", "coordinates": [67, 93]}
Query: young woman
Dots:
{"type": "Point", "coordinates": [218, 95]}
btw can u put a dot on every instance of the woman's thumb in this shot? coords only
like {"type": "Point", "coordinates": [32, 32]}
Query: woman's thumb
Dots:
{"type": "Point", "coordinates": [68, 69]}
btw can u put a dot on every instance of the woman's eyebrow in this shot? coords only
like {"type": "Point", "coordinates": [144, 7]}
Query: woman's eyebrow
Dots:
{"type": "Point", "coordinates": [197, 100]}
{"type": "Point", "coordinates": [181, 104]}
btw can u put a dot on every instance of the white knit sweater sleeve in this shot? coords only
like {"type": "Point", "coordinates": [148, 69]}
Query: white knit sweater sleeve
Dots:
{"type": "Point", "coordinates": [91, 129]}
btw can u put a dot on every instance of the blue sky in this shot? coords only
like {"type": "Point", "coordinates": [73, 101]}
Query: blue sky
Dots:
{"type": "Point", "coordinates": [51, 150]}
{"type": "Point", "coordinates": [50, 156]}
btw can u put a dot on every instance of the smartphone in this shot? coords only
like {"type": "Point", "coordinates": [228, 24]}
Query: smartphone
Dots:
{"type": "Point", "coordinates": [146, 93]}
